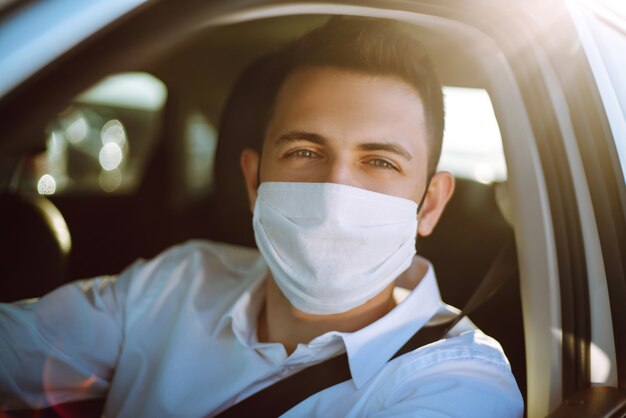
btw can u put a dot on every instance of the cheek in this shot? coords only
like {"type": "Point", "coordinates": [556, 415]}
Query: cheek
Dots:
{"type": "Point", "coordinates": [274, 169]}
{"type": "Point", "coordinates": [266, 165]}
{"type": "Point", "coordinates": [411, 184]}
{"type": "Point", "coordinates": [415, 192]}
{"type": "Point", "coordinates": [406, 188]}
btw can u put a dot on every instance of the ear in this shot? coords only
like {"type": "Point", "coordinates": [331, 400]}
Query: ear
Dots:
{"type": "Point", "coordinates": [439, 192]}
{"type": "Point", "coordinates": [249, 161]}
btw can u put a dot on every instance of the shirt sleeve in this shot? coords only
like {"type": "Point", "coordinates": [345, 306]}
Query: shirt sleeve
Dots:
{"type": "Point", "coordinates": [462, 387]}
{"type": "Point", "coordinates": [63, 346]}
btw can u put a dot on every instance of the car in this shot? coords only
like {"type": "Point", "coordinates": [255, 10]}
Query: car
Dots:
{"type": "Point", "coordinates": [110, 113]}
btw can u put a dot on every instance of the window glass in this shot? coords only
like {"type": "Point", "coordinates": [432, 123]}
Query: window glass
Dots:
{"type": "Point", "coordinates": [101, 142]}
{"type": "Point", "coordinates": [472, 145]}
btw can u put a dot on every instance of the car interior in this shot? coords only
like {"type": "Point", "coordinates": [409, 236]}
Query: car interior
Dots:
{"type": "Point", "coordinates": [189, 188]}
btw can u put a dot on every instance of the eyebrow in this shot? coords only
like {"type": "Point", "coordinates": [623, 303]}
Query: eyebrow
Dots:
{"type": "Point", "coordinates": [387, 146]}
{"type": "Point", "coordinates": [320, 140]}
{"type": "Point", "coordinates": [299, 136]}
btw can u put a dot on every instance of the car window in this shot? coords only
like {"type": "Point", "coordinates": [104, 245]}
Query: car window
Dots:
{"type": "Point", "coordinates": [472, 145]}
{"type": "Point", "coordinates": [102, 141]}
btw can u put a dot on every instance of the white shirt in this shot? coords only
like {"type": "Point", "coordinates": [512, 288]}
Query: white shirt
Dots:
{"type": "Point", "coordinates": [176, 336]}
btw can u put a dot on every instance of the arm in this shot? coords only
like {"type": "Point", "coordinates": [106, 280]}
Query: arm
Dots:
{"type": "Point", "coordinates": [62, 347]}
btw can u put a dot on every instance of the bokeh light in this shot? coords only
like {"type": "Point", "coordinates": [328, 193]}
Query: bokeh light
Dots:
{"type": "Point", "coordinates": [46, 185]}
{"type": "Point", "coordinates": [113, 132]}
{"type": "Point", "coordinates": [110, 180]}
{"type": "Point", "coordinates": [78, 129]}
{"type": "Point", "coordinates": [110, 156]}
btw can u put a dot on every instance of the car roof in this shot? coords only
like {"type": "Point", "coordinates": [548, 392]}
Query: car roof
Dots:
{"type": "Point", "coordinates": [35, 34]}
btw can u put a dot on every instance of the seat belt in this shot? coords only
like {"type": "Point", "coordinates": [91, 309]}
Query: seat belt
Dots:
{"type": "Point", "coordinates": [283, 395]}
{"type": "Point", "coordinates": [503, 269]}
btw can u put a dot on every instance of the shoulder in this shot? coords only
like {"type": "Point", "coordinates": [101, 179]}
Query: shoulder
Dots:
{"type": "Point", "coordinates": [233, 257]}
{"type": "Point", "coordinates": [471, 345]}
{"type": "Point", "coordinates": [465, 342]}
{"type": "Point", "coordinates": [470, 351]}
{"type": "Point", "coordinates": [462, 375]}
{"type": "Point", "coordinates": [197, 260]}
{"type": "Point", "coordinates": [193, 269]}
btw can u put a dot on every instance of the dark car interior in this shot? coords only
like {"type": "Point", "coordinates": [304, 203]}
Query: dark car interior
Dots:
{"type": "Point", "coordinates": [110, 230]}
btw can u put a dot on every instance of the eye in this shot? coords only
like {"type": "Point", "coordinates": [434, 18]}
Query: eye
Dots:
{"type": "Point", "coordinates": [303, 153]}
{"type": "Point", "coordinates": [380, 163]}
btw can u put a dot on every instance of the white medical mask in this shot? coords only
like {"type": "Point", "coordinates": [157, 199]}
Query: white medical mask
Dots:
{"type": "Point", "coordinates": [332, 247]}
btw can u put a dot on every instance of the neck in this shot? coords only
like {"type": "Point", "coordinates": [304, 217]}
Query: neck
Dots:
{"type": "Point", "coordinates": [280, 322]}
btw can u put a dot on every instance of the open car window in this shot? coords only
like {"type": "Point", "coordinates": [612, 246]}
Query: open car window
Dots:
{"type": "Point", "coordinates": [102, 141]}
{"type": "Point", "coordinates": [472, 144]}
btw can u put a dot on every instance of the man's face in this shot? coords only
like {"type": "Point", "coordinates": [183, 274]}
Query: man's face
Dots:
{"type": "Point", "coordinates": [336, 126]}
{"type": "Point", "coordinates": [331, 125]}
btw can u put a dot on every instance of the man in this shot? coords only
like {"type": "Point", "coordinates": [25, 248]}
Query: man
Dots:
{"type": "Point", "coordinates": [340, 186]}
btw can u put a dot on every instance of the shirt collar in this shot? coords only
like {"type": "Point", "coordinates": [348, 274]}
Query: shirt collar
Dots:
{"type": "Point", "coordinates": [371, 347]}
{"type": "Point", "coordinates": [243, 313]}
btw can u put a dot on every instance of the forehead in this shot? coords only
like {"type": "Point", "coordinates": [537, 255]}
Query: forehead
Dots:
{"type": "Point", "coordinates": [348, 106]}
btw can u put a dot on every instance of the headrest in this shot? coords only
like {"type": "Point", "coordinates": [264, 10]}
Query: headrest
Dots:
{"type": "Point", "coordinates": [242, 125]}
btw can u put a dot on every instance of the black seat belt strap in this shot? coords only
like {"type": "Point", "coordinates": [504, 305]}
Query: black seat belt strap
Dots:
{"type": "Point", "coordinates": [502, 270]}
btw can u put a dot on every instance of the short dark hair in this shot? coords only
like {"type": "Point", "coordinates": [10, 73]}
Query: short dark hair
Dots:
{"type": "Point", "coordinates": [369, 46]}
{"type": "Point", "coordinates": [361, 45]}
{"type": "Point", "coordinates": [356, 44]}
